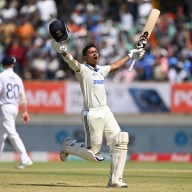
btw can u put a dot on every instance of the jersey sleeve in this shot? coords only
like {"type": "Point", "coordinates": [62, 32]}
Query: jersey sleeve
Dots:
{"type": "Point", "coordinates": [22, 90]}
{"type": "Point", "coordinates": [105, 70]}
{"type": "Point", "coordinates": [82, 71]}
{"type": "Point", "coordinates": [22, 94]}
{"type": "Point", "coordinates": [73, 64]}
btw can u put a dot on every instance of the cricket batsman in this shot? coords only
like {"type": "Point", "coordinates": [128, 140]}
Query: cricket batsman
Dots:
{"type": "Point", "coordinates": [97, 118]}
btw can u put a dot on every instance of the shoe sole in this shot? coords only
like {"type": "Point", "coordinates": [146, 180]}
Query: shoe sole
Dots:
{"type": "Point", "coordinates": [24, 166]}
{"type": "Point", "coordinates": [116, 186]}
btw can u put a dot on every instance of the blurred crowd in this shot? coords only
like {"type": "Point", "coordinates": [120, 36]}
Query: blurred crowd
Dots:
{"type": "Point", "coordinates": [114, 26]}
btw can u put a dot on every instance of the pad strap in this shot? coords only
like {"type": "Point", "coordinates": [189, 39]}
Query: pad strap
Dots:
{"type": "Point", "coordinates": [121, 140]}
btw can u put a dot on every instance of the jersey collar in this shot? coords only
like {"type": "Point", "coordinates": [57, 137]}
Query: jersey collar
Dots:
{"type": "Point", "coordinates": [8, 69]}
{"type": "Point", "coordinates": [94, 69]}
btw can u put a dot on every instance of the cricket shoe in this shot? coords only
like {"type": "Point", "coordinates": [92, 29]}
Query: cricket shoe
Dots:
{"type": "Point", "coordinates": [118, 184]}
{"type": "Point", "coordinates": [24, 165]}
{"type": "Point", "coordinates": [67, 142]}
{"type": "Point", "coordinates": [99, 157]}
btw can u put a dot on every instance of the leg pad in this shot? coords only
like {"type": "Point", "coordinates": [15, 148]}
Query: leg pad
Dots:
{"type": "Point", "coordinates": [118, 157]}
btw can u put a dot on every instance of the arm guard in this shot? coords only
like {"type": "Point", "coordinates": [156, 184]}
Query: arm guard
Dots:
{"type": "Point", "coordinates": [73, 64]}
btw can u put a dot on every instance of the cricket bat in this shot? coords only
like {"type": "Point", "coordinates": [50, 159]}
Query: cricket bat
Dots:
{"type": "Point", "coordinates": [150, 24]}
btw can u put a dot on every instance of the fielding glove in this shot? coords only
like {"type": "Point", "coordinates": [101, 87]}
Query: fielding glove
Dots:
{"type": "Point", "coordinates": [58, 47]}
{"type": "Point", "coordinates": [136, 54]}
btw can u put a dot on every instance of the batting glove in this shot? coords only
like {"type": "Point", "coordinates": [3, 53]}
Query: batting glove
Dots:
{"type": "Point", "coordinates": [58, 47]}
{"type": "Point", "coordinates": [136, 54]}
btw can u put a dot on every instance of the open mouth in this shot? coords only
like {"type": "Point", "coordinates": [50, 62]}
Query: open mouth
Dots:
{"type": "Point", "coordinates": [96, 58]}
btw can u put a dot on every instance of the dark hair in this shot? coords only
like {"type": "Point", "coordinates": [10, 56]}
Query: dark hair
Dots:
{"type": "Point", "coordinates": [8, 60]}
{"type": "Point", "coordinates": [87, 48]}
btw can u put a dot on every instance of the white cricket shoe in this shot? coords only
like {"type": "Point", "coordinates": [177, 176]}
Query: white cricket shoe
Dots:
{"type": "Point", "coordinates": [118, 184]}
{"type": "Point", "coordinates": [24, 165]}
{"type": "Point", "coordinates": [67, 142]}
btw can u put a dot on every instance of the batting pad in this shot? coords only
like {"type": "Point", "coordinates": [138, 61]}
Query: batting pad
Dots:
{"type": "Point", "coordinates": [80, 150]}
{"type": "Point", "coordinates": [118, 156]}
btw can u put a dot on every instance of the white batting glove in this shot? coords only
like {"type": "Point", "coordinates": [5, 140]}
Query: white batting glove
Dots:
{"type": "Point", "coordinates": [136, 54]}
{"type": "Point", "coordinates": [58, 47]}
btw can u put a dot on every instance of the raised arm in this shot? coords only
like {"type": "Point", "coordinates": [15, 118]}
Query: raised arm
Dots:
{"type": "Point", "coordinates": [133, 54]}
{"type": "Point", "coordinates": [62, 50]}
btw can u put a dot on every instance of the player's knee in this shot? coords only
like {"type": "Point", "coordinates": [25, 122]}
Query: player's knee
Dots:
{"type": "Point", "coordinates": [121, 140]}
{"type": "Point", "coordinates": [13, 136]}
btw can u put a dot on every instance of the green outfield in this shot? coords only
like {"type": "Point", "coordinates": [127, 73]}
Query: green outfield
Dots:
{"type": "Point", "coordinates": [91, 177]}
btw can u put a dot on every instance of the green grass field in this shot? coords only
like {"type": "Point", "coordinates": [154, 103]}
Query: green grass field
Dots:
{"type": "Point", "coordinates": [92, 177]}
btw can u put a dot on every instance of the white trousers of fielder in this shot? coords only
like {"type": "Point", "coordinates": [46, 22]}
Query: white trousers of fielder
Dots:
{"type": "Point", "coordinates": [8, 114]}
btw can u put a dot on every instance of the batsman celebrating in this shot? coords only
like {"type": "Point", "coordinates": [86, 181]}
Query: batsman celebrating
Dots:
{"type": "Point", "coordinates": [97, 118]}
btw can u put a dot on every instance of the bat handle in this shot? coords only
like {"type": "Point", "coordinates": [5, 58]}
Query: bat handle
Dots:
{"type": "Point", "coordinates": [131, 66]}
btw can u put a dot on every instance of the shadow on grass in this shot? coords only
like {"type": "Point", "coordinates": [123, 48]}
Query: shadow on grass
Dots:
{"type": "Point", "coordinates": [53, 185]}
{"type": "Point", "coordinates": [95, 174]}
{"type": "Point", "coordinates": [26, 172]}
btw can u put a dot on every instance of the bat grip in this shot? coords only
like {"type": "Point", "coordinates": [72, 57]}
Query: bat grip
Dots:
{"type": "Point", "coordinates": [131, 66]}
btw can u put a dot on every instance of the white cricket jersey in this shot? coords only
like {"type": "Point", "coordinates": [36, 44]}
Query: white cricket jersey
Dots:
{"type": "Point", "coordinates": [11, 87]}
{"type": "Point", "coordinates": [92, 85]}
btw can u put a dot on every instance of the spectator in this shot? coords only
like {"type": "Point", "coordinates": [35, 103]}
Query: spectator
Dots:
{"type": "Point", "coordinates": [26, 31]}
{"type": "Point", "coordinates": [18, 50]}
{"type": "Point", "coordinates": [47, 10]}
{"type": "Point", "coordinates": [176, 72]}
{"type": "Point", "coordinates": [97, 22]}
{"type": "Point", "coordinates": [7, 30]}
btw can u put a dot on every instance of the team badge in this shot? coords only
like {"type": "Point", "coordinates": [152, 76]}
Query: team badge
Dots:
{"type": "Point", "coordinates": [59, 33]}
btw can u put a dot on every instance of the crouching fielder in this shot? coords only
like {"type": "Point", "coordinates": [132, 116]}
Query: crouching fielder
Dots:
{"type": "Point", "coordinates": [97, 118]}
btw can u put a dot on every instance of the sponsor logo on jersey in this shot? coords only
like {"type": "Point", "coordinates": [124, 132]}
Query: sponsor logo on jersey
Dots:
{"type": "Point", "coordinates": [98, 81]}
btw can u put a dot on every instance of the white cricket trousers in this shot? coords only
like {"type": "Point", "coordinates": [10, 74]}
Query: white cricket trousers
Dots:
{"type": "Point", "coordinates": [98, 123]}
{"type": "Point", "coordinates": [8, 114]}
